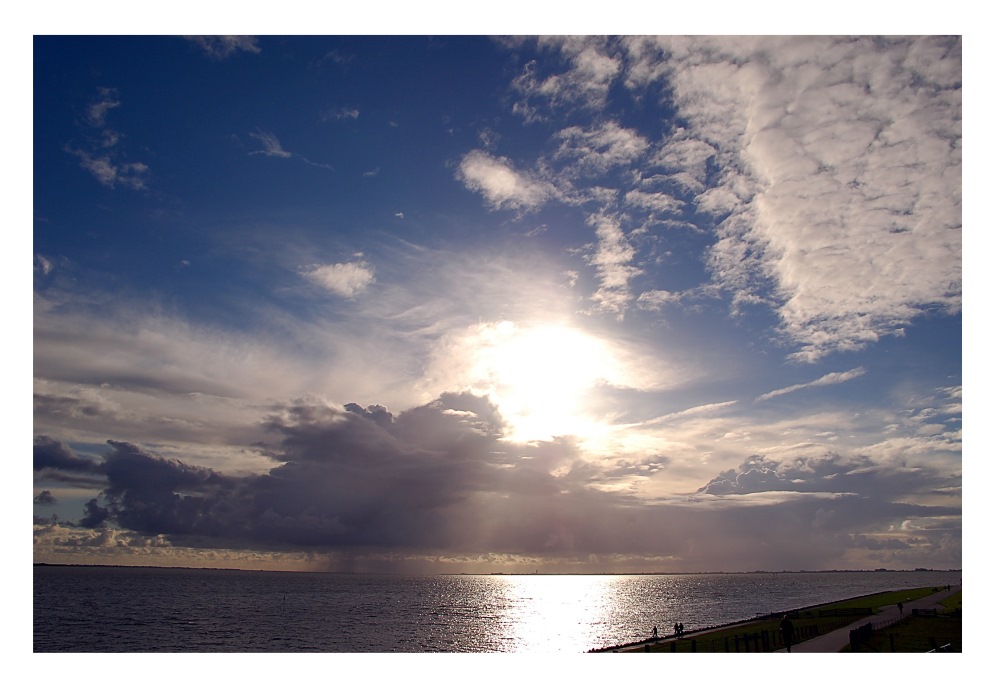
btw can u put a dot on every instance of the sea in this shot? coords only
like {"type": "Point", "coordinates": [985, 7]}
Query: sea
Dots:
{"type": "Point", "coordinates": [79, 609]}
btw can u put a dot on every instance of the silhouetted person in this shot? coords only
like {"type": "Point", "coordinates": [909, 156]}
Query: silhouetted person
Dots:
{"type": "Point", "coordinates": [655, 632]}
{"type": "Point", "coordinates": [900, 606]}
{"type": "Point", "coordinates": [677, 629]}
{"type": "Point", "coordinates": [680, 629]}
{"type": "Point", "coordinates": [787, 630]}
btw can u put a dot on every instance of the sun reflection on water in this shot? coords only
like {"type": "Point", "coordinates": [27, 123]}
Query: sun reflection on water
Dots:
{"type": "Point", "coordinates": [556, 613]}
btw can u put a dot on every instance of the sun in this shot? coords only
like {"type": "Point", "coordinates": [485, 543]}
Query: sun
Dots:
{"type": "Point", "coordinates": [541, 377]}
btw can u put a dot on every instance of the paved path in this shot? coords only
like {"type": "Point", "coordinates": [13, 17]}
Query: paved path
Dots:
{"type": "Point", "coordinates": [831, 642]}
{"type": "Point", "coordinates": [837, 639]}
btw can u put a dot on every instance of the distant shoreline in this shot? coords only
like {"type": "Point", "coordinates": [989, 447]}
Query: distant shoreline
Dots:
{"type": "Point", "coordinates": [503, 574]}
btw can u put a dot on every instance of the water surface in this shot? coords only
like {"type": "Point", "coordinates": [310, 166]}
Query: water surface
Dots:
{"type": "Point", "coordinates": [126, 609]}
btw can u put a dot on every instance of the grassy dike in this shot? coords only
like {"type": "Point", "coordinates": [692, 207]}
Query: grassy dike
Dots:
{"type": "Point", "coordinates": [915, 634]}
{"type": "Point", "coordinates": [748, 636]}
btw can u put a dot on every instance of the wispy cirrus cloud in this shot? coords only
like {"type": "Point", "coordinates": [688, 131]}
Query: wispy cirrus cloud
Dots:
{"type": "Point", "coordinates": [700, 410]}
{"type": "Point", "coordinates": [342, 113]}
{"type": "Point", "coordinates": [828, 379]}
{"type": "Point", "coordinates": [221, 47]}
{"type": "Point", "coordinates": [274, 149]}
{"type": "Point", "coordinates": [103, 155]}
{"type": "Point", "coordinates": [272, 146]}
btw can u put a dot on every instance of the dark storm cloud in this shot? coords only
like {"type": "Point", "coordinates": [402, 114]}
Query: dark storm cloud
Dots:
{"type": "Point", "coordinates": [358, 477]}
{"type": "Point", "coordinates": [94, 514]}
{"type": "Point", "coordinates": [151, 494]}
{"type": "Point", "coordinates": [54, 459]}
{"type": "Point", "coordinates": [830, 473]}
{"type": "Point", "coordinates": [439, 479]}
{"type": "Point", "coordinates": [365, 478]}
{"type": "Point", "coordinates": [434, 477]}
{"type": "Point", "coordinates": [45, 498]}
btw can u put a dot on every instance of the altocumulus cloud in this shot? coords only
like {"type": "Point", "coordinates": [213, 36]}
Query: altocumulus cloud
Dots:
{"type": "Point", "coordinates": [830, 168]}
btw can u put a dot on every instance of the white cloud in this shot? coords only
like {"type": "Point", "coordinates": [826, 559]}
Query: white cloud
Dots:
{"type": "Point", "coordinates": [686, 161]}
{"type": "Point", "coordinates": [844, 190]}
{"type": "Point", "coordinates": [221, 47]}
{"type": "Point", "coordinates": [828, 379]}
{"type": "Point", "coordinates": [272, 147]}
{"type": "Point", "coordinates": [612, 259]}
{"type": "Point", "coordinates": [656, 202]}
{"type": "Point", "coordinates": [343, 113]}
{"type": "Point", "coordinates": [102, 155]}
{"type": "Point", "coordinates": [344, 279]}
{"type": "Point", "coordinates": [42, 265]}
{"type": "Point", "coordinates": [98, 110]}
{"type": "Point", "coordinates": [656, 299]}
{"type": "Point", "coordinates": [112, 173]}
{"type": "Point", "coordinates": [586, 82]}
{"type": "Point", "coordinates": [700, 410]}
{"type": "Point", "coordinates": [598, 150]}
{"type": "Point", "coordinates": [501, 184]}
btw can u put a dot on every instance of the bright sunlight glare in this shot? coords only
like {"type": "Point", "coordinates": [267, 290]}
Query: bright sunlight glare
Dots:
{"type": "Point", "coordinates": [540, 377]}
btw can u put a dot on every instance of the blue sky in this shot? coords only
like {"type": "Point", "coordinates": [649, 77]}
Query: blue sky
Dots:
{"type": "Point", "coordinates": [470, 304]}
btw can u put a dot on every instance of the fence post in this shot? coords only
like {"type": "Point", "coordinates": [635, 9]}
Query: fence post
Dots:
{"type": "Point", "coordinates": [736, 638]}
{"type": "Point", "coordinates": [725, 643]}
{"type": "Point", "coordinates": [673, 647]}
{"type": "Point", "coordinates": [694, 645]}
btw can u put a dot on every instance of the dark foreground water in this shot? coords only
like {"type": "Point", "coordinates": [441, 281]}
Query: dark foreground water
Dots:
{"type": "Point", "coordinates": [124, 609]}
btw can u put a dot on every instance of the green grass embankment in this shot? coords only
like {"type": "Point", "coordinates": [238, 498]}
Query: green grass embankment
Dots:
{"type": "Point", "coordinates": [920, 633]}
{"type": "Point", "coordinates": [749, 637]}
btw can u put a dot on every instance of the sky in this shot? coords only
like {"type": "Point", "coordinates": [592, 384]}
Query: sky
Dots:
{"type": "Point", "coordinates": [467, 304]}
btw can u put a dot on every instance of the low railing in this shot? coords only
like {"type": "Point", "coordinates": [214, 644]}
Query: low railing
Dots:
{"type": "Point", "coordinates": [947, 648]}
{"type": "Point", "coordinates": [766, 641]}
{"type": "Point", "coordinates": [860, 635]}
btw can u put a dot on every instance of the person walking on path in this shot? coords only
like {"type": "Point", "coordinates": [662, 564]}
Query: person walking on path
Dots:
{"type": "Point", "coordinates": [900, 606]}
{"type": "Point", "coordinates": [787, 630]}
